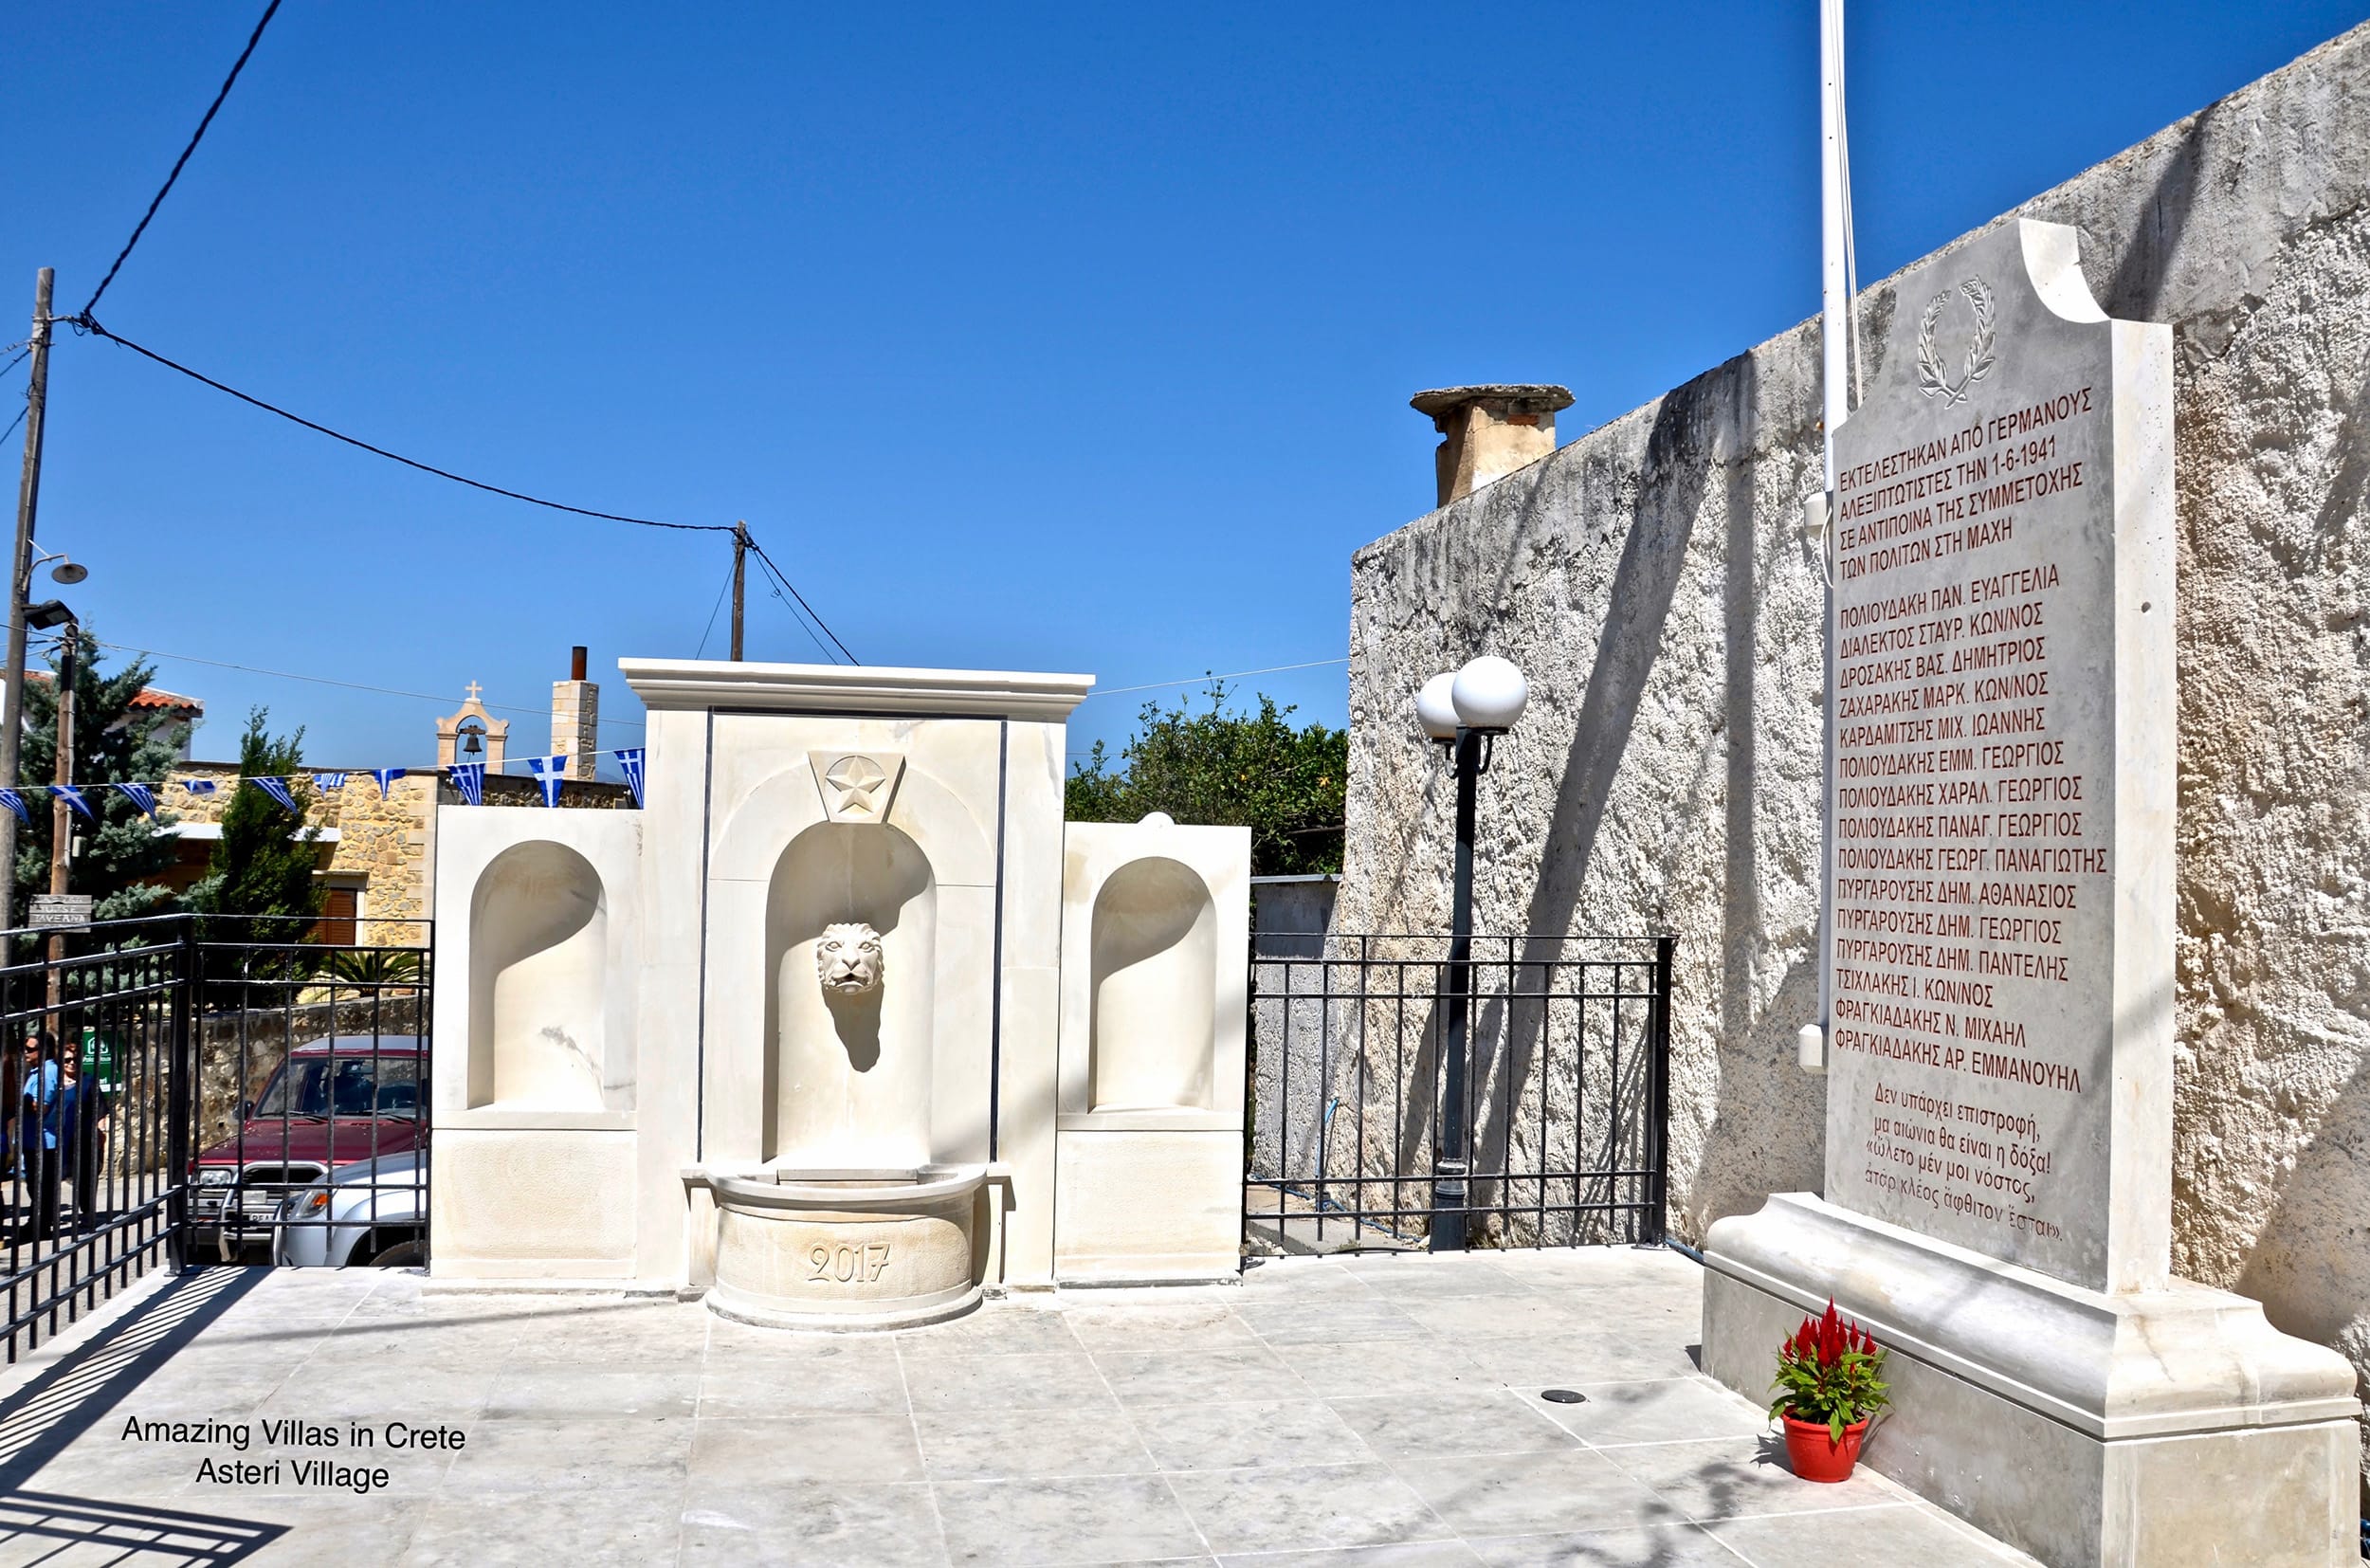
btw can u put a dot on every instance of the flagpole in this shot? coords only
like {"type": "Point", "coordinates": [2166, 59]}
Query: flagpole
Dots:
{"type": "Point", "coordinates": [1836, 349]}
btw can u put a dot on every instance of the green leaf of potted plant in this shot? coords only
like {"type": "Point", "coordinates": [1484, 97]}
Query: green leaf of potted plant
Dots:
{"type": "Point", "coordinates": [1828, 1391]}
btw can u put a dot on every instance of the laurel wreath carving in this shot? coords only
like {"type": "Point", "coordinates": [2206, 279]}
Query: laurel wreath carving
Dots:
{"type": "Point", "coordinates": [1933, 375]}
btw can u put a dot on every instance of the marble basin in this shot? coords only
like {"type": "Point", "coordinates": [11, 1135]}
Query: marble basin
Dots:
{"type": "Point", "coordinates": [847, 1249]}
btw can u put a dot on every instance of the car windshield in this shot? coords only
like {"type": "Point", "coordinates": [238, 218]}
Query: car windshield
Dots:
{"type": "Point", "coordinates": [344, 1085]}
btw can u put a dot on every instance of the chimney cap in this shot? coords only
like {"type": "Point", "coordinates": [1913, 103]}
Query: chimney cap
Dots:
{"type": "Point", "coordinates": [1520, 398]}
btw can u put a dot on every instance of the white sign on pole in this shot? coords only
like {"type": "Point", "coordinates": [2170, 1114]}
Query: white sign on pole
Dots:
{"type": "Point", "coordinates": [60, 909]}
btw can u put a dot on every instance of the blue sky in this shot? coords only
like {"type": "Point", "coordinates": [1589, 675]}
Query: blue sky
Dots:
{"type": "Point", "coordinates": [1053, 337]}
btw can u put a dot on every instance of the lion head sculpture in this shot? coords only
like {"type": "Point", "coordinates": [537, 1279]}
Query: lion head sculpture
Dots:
{"type": "Point", "coordinates": [848, 959]}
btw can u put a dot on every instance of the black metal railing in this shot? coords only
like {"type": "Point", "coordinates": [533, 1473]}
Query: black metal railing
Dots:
{"type": "Point", "coordinates": [311, 1124]}
{"type": "Point", "coordinates": [1566, 1092]}
{"type": "Point", "coordinates": [182, 1089]}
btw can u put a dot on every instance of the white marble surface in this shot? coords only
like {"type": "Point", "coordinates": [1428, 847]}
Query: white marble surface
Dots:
{"type": "Point", "coordinates": [859, 688]}
{"type": "Point", "coordinates": [2070, 1421]}
{"type": "Point", "coordinates": [1356, 1413]}
{"type": "Point", "coordinates": [2000, 935]}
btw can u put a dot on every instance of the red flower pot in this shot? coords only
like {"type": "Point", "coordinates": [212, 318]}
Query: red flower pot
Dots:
{"type": "Point", "coordinates": [1815, 1455]}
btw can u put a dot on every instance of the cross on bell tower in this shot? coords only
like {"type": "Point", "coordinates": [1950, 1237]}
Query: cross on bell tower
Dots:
{"type": "Point", "coordinates": [469, 734]}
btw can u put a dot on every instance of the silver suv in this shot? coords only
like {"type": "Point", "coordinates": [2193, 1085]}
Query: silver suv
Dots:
{"type": "Point", "coordinates": [371, 1212]}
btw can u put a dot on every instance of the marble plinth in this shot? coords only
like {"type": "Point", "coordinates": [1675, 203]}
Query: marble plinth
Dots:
{"type": "Point", "coordinates": [847, 1249]}
{"type": "Point", "coordinates": [2161, 1427]}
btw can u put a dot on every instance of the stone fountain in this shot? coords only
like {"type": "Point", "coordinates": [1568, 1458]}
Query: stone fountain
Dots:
{"type": "Point", "coordinates": [846, 1027]}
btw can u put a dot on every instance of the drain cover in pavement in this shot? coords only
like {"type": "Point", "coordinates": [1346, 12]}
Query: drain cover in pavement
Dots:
{"type": "Point", "coordinates": [1563, 1396]}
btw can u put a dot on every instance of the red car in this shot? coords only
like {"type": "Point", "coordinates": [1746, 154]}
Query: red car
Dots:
{"type": "Point", "coordinates": [330, 1103]}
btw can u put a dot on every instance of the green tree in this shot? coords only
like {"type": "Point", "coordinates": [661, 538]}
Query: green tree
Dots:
{"type": "Point", "coordinates": [124, 854]}
{"type": "Point", "coordinates": [263, 863]}
{"type": "Point", "coordinates": [1285, 783]}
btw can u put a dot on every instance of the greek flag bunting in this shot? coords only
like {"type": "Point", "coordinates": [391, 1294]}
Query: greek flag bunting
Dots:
{"type": "Point", "coordinates": [15, 802]}
{"type": "Point", "coordinates": [469, 778]}
{"type": "Point", "coordinates": [72, 796]}
{"type": "Point", "coordinates": [387, 776]}
{"type": "Point", "coordinates": [329, 781]}
{"type": "Point", "coordinates": [629, 764]}
{"type": "Point", "coordinates": [198, 786]}
{"type": "Point", "coordinates": [140, 796]}
{"type": "Point", "coordinates": [550, 773]}
{"type": "Point", "coordinates": [278, 790]}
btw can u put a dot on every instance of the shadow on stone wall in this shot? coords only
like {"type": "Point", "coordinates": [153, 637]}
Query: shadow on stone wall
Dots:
{"type": "Point", "coordinates": [1674, 475]}
{"type": "Point", "coordinates": [2310, 1266]}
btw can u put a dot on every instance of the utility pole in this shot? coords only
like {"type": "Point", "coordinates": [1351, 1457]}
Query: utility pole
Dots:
{"type": "Point", "coordinates": [60, 816]}
{"type": "Point", "coordinates": [20, 583]}
{"type": "Point", "coordinates": [740, 575]}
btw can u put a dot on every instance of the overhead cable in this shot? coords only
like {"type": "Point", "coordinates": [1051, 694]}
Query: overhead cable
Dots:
{"type": "Point", "coordinates": [85, 322]}
{"type": "Point", "coordinates": [1230, 675]}
{"type": "Point", "coordinates": [325, 681]}
{"type": "Point", "coordinates": [713, 610]}
{"type": "Point", "coordinates": [195, 136]}
{"type": "Point", "coordinates": [768, 562]}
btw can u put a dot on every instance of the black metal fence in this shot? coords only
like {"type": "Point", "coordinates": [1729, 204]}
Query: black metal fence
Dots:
{"type": "Point", "coordinates": [1567, 1094]}
{"type": "Point", "coordinates": [176, 1089]}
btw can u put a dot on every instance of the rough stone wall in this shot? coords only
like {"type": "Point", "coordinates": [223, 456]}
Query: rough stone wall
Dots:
{"type": "Point", "coordinates": [1653, 579]}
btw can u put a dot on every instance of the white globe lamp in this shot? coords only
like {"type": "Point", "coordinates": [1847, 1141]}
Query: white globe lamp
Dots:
{"type": "Point", "coordinates": [1435, 708]}
{"type": "Point", "coordinates": [1489, 694]}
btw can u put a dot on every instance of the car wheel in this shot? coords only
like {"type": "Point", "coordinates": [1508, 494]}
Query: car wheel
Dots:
{"type": "Point", "coordinates": [404, 1254]}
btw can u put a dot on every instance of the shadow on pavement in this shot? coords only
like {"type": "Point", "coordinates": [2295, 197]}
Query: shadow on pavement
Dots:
{"type": "Point", "coordinates": [42, 1418]}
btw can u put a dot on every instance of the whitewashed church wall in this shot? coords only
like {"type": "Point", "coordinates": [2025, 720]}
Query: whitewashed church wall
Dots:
{"type": "Point", "coordinates": [1653, 579]}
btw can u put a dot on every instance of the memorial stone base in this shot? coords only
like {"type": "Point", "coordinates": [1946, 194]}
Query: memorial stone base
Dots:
{"type": "Point", "coordinates": [2159, 1428]}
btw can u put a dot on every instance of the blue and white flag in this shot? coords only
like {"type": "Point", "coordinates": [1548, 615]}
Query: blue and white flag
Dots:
{"type": "Point", "coordinates": [329, 781]}
{"type": "Point", "coordinates": [278, 790]}
{"type": "Point", "coordinates": [14, 801]}
{"type": "Point", "coordinates": [72, 796]}
{"type": "Point", "coordinates": [387, 776]}
{"type": "Point", "coordinates": [629, 764]}
{"type": "Point", "coordinates": [550, 773]}
{"type": "Point", "coordinates": [198, 786]}
{"type": "Point", "coordinates": [140, 796]}
{"type": "Point", "coordinates": [469, 778]}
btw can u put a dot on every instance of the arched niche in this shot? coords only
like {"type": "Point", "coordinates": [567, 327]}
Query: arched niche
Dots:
{"type": "Point", "coordinates": [848, 1080]}
{"type": "Point", "coordinates": [538, 977]}
{"type": "Point", "coordinates": [1152, 1032]}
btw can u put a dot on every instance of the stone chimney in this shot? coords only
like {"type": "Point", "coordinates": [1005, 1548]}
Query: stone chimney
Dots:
{"type": "Point", "coordinates": [1488, 432]}
{"type": "Point", "coordinates": [577, 718]}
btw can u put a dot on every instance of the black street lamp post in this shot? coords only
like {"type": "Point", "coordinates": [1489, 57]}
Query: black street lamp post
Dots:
{"type": "Point", "coordinates": [1465, 713]}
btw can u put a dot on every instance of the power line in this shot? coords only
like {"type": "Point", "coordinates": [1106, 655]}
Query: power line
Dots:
{"type": "Point", "coordinates": [14, 363]}
{"type": "Point", "coordinates": [768, 562]}
{"type": "Point", "coordinates": [325, 681]}
{"type": "Point", "coordinates": [707, 630]}
{"type": "Point", "coordinates": [195, 136]}
{"type": "Point", "coordinates": [1230, 675]}
{"type": "Point", "coordinates": [86, 323]}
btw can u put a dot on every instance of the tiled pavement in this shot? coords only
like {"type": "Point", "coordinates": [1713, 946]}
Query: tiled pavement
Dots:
{"type": "Point", "coordinates": [1348, 1412]}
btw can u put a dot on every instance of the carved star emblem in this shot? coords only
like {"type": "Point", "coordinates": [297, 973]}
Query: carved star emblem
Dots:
{"type": "Point", "coordinates": [857, 779]}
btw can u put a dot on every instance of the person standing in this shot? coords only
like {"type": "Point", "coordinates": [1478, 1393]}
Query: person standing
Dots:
{"type": "Point", "coordinates": [80, 1123]}
{"type": "Point", "coordinates": [37, 1134]}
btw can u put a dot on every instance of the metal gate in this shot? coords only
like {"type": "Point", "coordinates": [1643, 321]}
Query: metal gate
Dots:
{"type": "Point", "coordinates": [1565, 1098]}
{"type": "Point", "coordinates": [186, 1089]}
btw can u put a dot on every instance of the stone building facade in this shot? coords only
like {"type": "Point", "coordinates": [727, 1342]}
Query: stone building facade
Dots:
{"type": "Point", "coordinates": [382, 852]}
{"type": "Point", "coordinates": [1654, 581]}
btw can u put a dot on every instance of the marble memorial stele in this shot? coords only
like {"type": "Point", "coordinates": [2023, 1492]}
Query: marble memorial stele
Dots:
{"type": "Point", "coordinates": [1999, 947]}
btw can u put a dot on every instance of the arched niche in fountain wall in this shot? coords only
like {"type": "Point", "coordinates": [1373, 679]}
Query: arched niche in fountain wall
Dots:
{"type": "Point", "coordinates": [1152, 1028]}
{"type": "Point", "coordinates": [538, 980]}
{"type": "Point", "coordinates": [847, 1079]}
